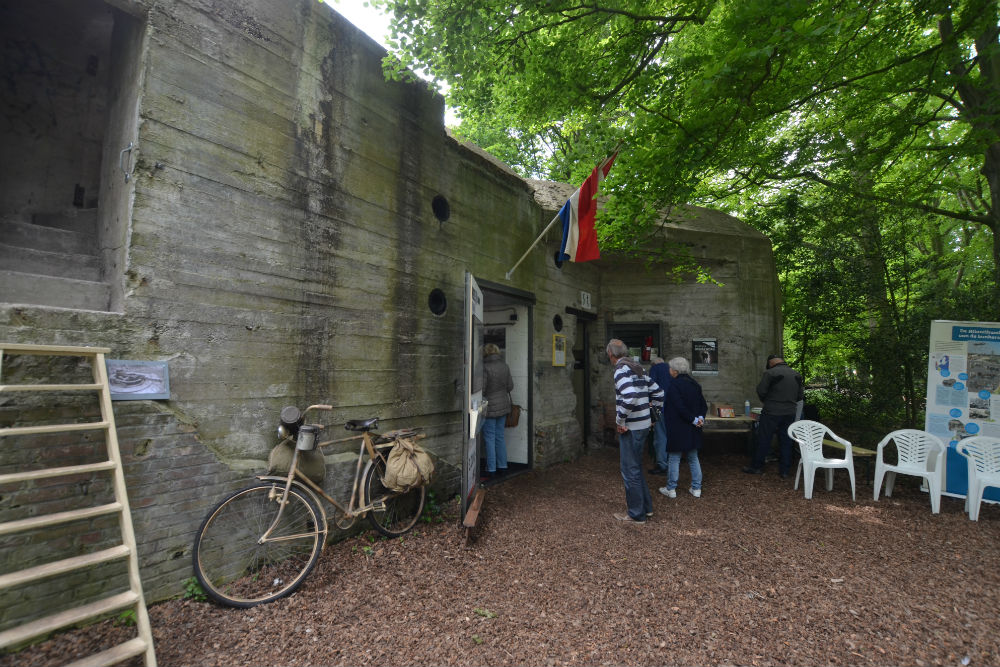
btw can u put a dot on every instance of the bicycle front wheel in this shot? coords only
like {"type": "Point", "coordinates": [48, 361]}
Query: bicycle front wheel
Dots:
{"type": "Point", "coordinates": [235, 568]}
{"type": "Point", "coordinates": [394, 513]}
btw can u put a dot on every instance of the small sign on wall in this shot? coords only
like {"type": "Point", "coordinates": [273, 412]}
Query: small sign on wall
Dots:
{"type": "Point", "coordinates": [585, 300]}
{"type": "Point", "coordinates": [138, 380]}
{"type": "Point", "coordinates": [705, 356]}
{"type": "Point", "coordinates": [558, 350]}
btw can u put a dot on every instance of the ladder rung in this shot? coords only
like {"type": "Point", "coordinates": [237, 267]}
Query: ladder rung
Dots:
{"type": "Point", "coordinates": [53, 349]}
{"type": "Point", "coordinates": [56, 472]}
{"type": "Point", "coordinates": [50, 387]}
{"type": "Point", "coordinates": [54, 622]}
{"type": "Point", "coordinates": [58, 517]}
{"type": "Point", "coordinates": [62, 566]}
{"type": "Point", "coordinates": [54, 428]}
{"type": "Point", "coordinates": [114, 655]}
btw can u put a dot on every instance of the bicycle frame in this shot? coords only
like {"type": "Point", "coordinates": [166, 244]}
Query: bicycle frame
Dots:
{"type": "Point", "coordinates": [354, 508]}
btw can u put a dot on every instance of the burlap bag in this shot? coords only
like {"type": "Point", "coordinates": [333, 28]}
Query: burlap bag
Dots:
{"type": "Point", "coordinates": [408, 466]}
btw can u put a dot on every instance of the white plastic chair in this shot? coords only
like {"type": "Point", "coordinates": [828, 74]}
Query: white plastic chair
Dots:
{"type": "Point", "coordinates": [810, 435]}
{"type": "Point", "coordinates": [983, 455]}
{"type": "Point", "coordinates": [920, 455]}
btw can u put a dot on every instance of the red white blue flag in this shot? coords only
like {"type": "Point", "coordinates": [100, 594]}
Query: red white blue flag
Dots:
{"type": "Point", "coordinates": [579, 239]}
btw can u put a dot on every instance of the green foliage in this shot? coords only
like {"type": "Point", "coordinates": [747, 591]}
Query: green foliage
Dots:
{"type": "Point", "coordinates": [433, 510]}
{"type": "Point", "coordinates": [126, 618]}
{"type": "Point", "coordinates": [194, 591]}
{"type": "Point", "coordinates": [485, 613]}
{"type": "Point", "coordinates": [862, 138]}
{"type": "Point", "coordinates": [887, 102]}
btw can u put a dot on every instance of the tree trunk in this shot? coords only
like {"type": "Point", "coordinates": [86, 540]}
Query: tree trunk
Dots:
{"type": "Point", "coordinates": [991, 171]}
{"type": "Point", "coordinates": [980, 109]}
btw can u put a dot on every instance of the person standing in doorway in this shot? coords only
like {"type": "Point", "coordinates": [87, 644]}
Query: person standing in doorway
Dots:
{"type": "Point", "coordinates": [684, 413]}
{"type": "Point", "coordinates": [498, 385]}
{"type": "Point", "coordinates": [634, 394]}
{"type": "Point", "coordinates": [780, 389]}
{"type": "Point", "coordinates": [659, 373]}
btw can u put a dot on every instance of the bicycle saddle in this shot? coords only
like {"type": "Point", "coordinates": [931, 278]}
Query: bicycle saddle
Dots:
{"type": "Point", "coordinates": [361, 424]}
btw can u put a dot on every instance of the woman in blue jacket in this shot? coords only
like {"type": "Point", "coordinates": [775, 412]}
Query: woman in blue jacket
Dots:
{"type": "Point", "coordinates": [684, 411]}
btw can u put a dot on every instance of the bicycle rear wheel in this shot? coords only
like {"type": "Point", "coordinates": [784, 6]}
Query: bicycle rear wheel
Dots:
{"type": "Point", "coordinates": [234, 568]}
{"type": "Point", "coordinates": [396, 513]}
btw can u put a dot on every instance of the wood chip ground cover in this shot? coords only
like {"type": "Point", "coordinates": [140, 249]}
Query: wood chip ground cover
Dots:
{"type": "Point", "coordinates": [751, 573]}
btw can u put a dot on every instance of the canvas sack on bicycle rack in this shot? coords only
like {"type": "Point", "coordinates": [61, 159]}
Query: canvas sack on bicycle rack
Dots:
{"type": "Point", "coordinates": [408, 466]}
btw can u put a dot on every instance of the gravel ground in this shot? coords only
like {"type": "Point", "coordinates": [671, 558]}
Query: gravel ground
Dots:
{"type": "Point", "coordinates": [751, 573]}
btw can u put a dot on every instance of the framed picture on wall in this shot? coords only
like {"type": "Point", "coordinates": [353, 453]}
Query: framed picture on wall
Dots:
{"type": "Point", "coordinates": [138, 380]}
{"type": "Point", "coordinates": [558, 350]}
{"type": "Point", "coordinates": [705, 356]}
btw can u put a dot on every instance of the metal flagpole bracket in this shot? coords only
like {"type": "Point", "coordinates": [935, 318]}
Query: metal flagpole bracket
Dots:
{"type": "Point", "coordinates": [121, 160]}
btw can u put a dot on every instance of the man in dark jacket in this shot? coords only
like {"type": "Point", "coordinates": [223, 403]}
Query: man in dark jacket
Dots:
{"type": "Point", "coordinates": [780, 388]}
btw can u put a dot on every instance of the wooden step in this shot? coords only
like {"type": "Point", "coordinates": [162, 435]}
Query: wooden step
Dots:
{"type": "Point", "coordinates": [112, 656]}
{"type": "Point", "coordinates": [53, 350]}
{"type": "Point", "coordinates": [50, 387]}
{"type": "Point", "coordinates": [54, 428]}
{"type": "Point", "coordinates": [59, 517]}
{"type": "Point", "coordinates": [43, 626]}
{"type": "Point", "coordinates": [62, 471]}
{"type": "Point", "coordinates": [62, 566]}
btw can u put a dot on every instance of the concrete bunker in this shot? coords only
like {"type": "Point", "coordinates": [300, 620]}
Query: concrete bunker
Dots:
{"type": "Point", "coordinates": [279, 240]}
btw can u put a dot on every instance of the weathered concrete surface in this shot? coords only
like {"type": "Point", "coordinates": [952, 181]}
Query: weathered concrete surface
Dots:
{"type": "Point", "coordinates": [278, 246]}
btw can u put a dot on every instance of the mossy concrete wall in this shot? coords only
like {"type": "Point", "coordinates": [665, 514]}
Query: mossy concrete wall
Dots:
{"type": "Point", "coordinates": [282, 247]}
{"type": "Point", "coordinates": [741, 310]}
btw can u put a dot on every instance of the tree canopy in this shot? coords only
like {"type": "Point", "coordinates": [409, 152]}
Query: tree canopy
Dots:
{"type": "Point", "coordinates": [863, 137]}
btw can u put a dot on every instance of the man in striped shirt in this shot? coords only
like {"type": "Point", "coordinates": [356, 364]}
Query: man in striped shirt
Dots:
{"type": "Point", "coordinates": [634, 392]}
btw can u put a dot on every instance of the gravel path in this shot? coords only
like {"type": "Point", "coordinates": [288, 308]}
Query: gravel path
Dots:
{"type": "Point", "coordinates": [751, 573]}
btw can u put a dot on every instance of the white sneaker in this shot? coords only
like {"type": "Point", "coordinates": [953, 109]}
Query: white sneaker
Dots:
{"type": "Point", "coordinates": [695, 492]}
{"type": "Point", "coordinates": [669, 493]}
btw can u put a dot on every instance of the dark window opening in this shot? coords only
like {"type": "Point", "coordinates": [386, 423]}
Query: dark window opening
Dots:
{"type": "Point", "coordinates": [441, 208]}
{"type": "Point", "coordinates": [437, 301]}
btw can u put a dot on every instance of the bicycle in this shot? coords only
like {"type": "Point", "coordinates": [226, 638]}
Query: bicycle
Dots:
{"type": "Point", "coordinates": [261, 542]}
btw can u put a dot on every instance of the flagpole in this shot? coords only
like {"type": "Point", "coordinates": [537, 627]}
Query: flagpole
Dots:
{"type": "Point", "coordinates": [544, 231]}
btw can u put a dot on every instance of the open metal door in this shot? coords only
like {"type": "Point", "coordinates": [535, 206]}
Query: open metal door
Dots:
{"type": "Point", "coordinates": [475, 406]}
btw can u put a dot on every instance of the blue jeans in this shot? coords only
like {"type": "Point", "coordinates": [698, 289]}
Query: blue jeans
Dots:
{"type": "Point", "coordinates": [630, 448]}
{"type": "Point", "coordinates": [674, 465]}
{"type": "Point", "coordinates": [493, 442]}
{"type": "Point", "coordinates": [660, 442]}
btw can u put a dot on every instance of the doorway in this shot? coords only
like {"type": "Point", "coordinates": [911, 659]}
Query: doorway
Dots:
{"type": "Point", "coordinates": [507, 323]}
{"type": "Point", "coordinates": [72, 72]}
{"type": "Point", "coordinates": [581, 371]}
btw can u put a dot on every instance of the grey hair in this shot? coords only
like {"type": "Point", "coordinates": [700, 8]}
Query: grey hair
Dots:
{"type": "Point", "coordinates": [658, 360]}
{"type": "Point", "coordinates": [616, 348]}
{"type": "Point", "coordinates": [681, 365]}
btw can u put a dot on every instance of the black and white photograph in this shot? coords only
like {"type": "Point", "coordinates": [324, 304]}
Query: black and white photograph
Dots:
{"type": "Point", "coordinates": [138, 380]}
{"type": "Point", "coordinates": [705, 356]}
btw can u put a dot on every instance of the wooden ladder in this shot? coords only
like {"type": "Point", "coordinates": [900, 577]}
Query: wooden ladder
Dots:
{"type": "Point", "coordinates": [131, 599]}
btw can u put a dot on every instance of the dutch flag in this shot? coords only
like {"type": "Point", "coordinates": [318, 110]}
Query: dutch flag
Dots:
{"type": "Point", "coordinates": [579, 240]}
